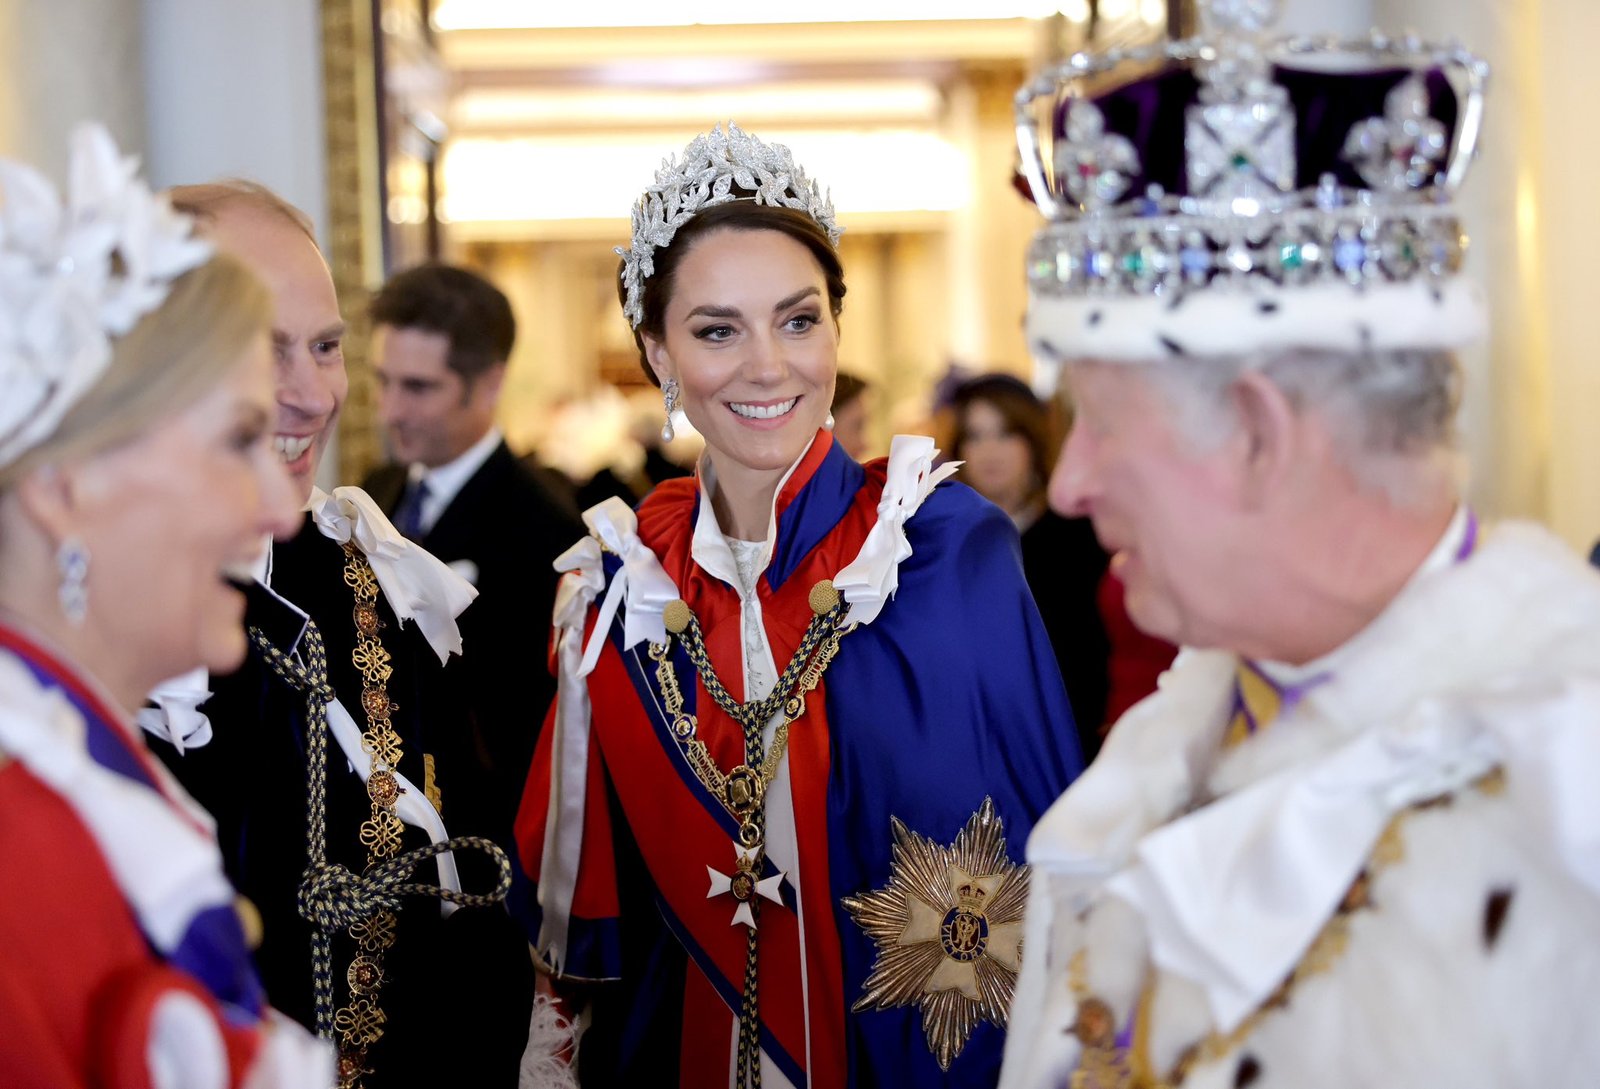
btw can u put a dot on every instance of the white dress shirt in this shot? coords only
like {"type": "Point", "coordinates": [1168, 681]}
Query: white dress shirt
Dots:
{"type": "Point", "coordinates": [446, 481]}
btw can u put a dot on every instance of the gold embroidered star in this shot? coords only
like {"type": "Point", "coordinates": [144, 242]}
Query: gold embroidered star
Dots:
{"type": "Point", "coordinates": [948, 927]}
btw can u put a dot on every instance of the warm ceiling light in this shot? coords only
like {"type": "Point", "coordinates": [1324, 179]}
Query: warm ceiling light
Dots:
{"type": "Point", "coordinates": [1153, 12]}
{"type": "Point", "coordinates": [519, 14]}
{"type": "Point", "coordinates": [862, 101]}
{"type": "Point", "coordinates": [533, 179]}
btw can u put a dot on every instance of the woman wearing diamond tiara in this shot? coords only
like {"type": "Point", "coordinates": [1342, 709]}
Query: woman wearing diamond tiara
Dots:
{"type": "Point", "coordinates": [136, 481]}
{"type": "Point", "coordinates": [807, 707]}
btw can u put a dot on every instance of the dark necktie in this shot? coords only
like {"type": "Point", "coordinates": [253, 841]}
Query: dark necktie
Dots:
{"type": "Point", "coordinates": [408, 515]}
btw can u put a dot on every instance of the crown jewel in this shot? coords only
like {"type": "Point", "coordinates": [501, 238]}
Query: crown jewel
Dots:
{"type": "Point", "coordinates": [74, 276]}
{"type": "Point", "coordinates": [713, 164]}
{"type": "Point", "coordinates": [1244, 176]}
{"type": "Point", "coordinates": [971, 897]}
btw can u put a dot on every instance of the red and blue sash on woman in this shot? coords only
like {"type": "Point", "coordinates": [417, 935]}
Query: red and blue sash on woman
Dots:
{"type": "Point", "coordinates": [949, 697]}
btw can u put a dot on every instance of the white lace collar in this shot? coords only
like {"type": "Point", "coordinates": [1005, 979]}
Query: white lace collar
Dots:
{"type": "Point", "coordinates": [710, 548]}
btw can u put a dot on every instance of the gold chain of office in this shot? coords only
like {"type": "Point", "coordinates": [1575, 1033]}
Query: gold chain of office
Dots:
{"type": "Point", "coordinates": [360, 1023]}
{"type": "Point", "coordinates": [330, 897]}
{"type": "Point", "coordinates": [743, 790]}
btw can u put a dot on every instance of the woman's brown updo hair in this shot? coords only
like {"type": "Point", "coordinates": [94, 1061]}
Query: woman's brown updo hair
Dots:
{"type": "Point", "coordinates": [735, 215]}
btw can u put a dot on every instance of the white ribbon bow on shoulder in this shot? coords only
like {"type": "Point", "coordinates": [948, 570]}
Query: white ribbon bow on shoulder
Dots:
{"type": "Point", "coordinates": [418, 585]}
{"type": "Point", "coordinates": [176, 716]}
{"type": "Point", "coordinates": [642, 581]}
{"type": "Point", "coordinates": [648, 589]}
{"type": "Point", "coordinates": [870, 580]}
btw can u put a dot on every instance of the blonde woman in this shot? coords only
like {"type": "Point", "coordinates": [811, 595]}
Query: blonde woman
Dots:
{"type": "Point", "coordinates": [137, 484]}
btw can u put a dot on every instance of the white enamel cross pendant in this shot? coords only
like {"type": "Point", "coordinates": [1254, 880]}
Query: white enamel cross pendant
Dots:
{"type": "Point", "coordinates": [745, 884]}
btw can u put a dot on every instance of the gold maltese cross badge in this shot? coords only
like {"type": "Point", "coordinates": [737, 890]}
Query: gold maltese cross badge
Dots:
{"type": "Point", "coordinates": [948, 927]}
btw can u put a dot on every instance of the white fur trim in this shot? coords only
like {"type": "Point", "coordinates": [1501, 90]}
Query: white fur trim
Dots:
{"type": "Point", "coordinates": [1494, 657]}
{"type": "Point", "coordinates": [290, 1057]}
{"type": "Point", "coordinates": [552, 1051]}
{"type": "Point", "coordinates": [1217, 321]}
{"type": "Point", "coordinates": [185, 1049]}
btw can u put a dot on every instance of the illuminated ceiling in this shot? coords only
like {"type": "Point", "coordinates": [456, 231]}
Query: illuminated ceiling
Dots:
{"type": "Point", "coordinates": [520, 14]}
{"type": "Point", "coordinates": [560, 113]}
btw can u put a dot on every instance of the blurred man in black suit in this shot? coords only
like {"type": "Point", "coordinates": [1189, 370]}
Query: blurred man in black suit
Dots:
{"type": "Point", "coordinates": [441, 339]}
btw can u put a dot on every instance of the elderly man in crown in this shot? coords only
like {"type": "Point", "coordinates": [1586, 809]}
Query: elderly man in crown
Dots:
{"type": "Point", "coordinates": [1352, 838]}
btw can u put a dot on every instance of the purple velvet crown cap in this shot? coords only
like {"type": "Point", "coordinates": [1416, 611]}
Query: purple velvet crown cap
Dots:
{"type": "Point", "coordinates": [1150, 112]}
{"type": "Point", "coordinates": [1229, 194]}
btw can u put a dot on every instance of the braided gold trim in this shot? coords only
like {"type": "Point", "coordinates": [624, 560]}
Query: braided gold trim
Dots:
{"type": "Point", "coordinates": [685, 727]}
{"type": "Point", "coordinates": [743, 790]}
{"type": "Point", "coordinates": [360, 1023]}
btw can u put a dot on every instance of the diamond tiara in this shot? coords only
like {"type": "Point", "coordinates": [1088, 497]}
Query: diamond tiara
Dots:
{"type": "Point", "coordinates": [73, 277]}
{"type": "Point", "coordinates": [713, 164]}
{"type": "Point", "coordinates": [1254, 169]}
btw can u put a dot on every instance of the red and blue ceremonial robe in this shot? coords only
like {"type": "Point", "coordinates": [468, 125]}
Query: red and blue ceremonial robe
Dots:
{"type": "Point", "coordinates": [941, 726]}
{"type": "Point", "coordinates": [125, 959]}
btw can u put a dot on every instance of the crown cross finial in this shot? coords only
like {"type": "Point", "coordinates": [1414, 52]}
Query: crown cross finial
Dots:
{"type": "Point", "coordinates": [971, 896]}
{"type": "Point", "coordinates": [1239, 16]}
{"type": "Point", "coordinates": [1403, 149]}
{"type": "Point", "coordinates": [1095, 167]}
{"type": "Point", "coordinates": [1241, 150]}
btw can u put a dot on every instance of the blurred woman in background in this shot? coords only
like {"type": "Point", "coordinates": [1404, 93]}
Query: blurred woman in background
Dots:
{"type": "Point", "coordinates": [1007, 440]}
{"type": "Point", "coordinates": [851, 414]}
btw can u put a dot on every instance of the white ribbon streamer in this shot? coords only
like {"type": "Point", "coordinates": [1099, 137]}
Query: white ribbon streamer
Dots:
{"type": "Point", "coordinates": [412, 806]}
{"type": "Point", "coordinates": [417, 584]}
{"type": "Point", "coordinates": [870, 580]}
{"type": "Point", "coordinates": [569, 754]}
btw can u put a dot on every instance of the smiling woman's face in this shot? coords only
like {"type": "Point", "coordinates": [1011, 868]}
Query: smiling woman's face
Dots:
{"type": "Point", "coordinates": [171, 517]}
{"type": "Point", "coordinates": [749, 337]}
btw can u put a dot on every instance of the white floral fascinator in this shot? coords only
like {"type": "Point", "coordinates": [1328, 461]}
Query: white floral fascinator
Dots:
{"type": "Point", "coordinates": [73, 276]}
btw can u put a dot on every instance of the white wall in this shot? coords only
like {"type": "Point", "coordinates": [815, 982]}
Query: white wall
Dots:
{"type": "Point", "coordinates": [234, 88]}
{"type": "Point", "coordinates": [1530, 208]}
{"type": "Point", "coordinates": [66, 61]}
{"type": "Point", "coordinates": [1323, 17]}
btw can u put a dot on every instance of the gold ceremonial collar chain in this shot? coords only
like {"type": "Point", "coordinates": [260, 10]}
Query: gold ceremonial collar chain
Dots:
{"type": "Point", "coordinates": [743, 790]}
